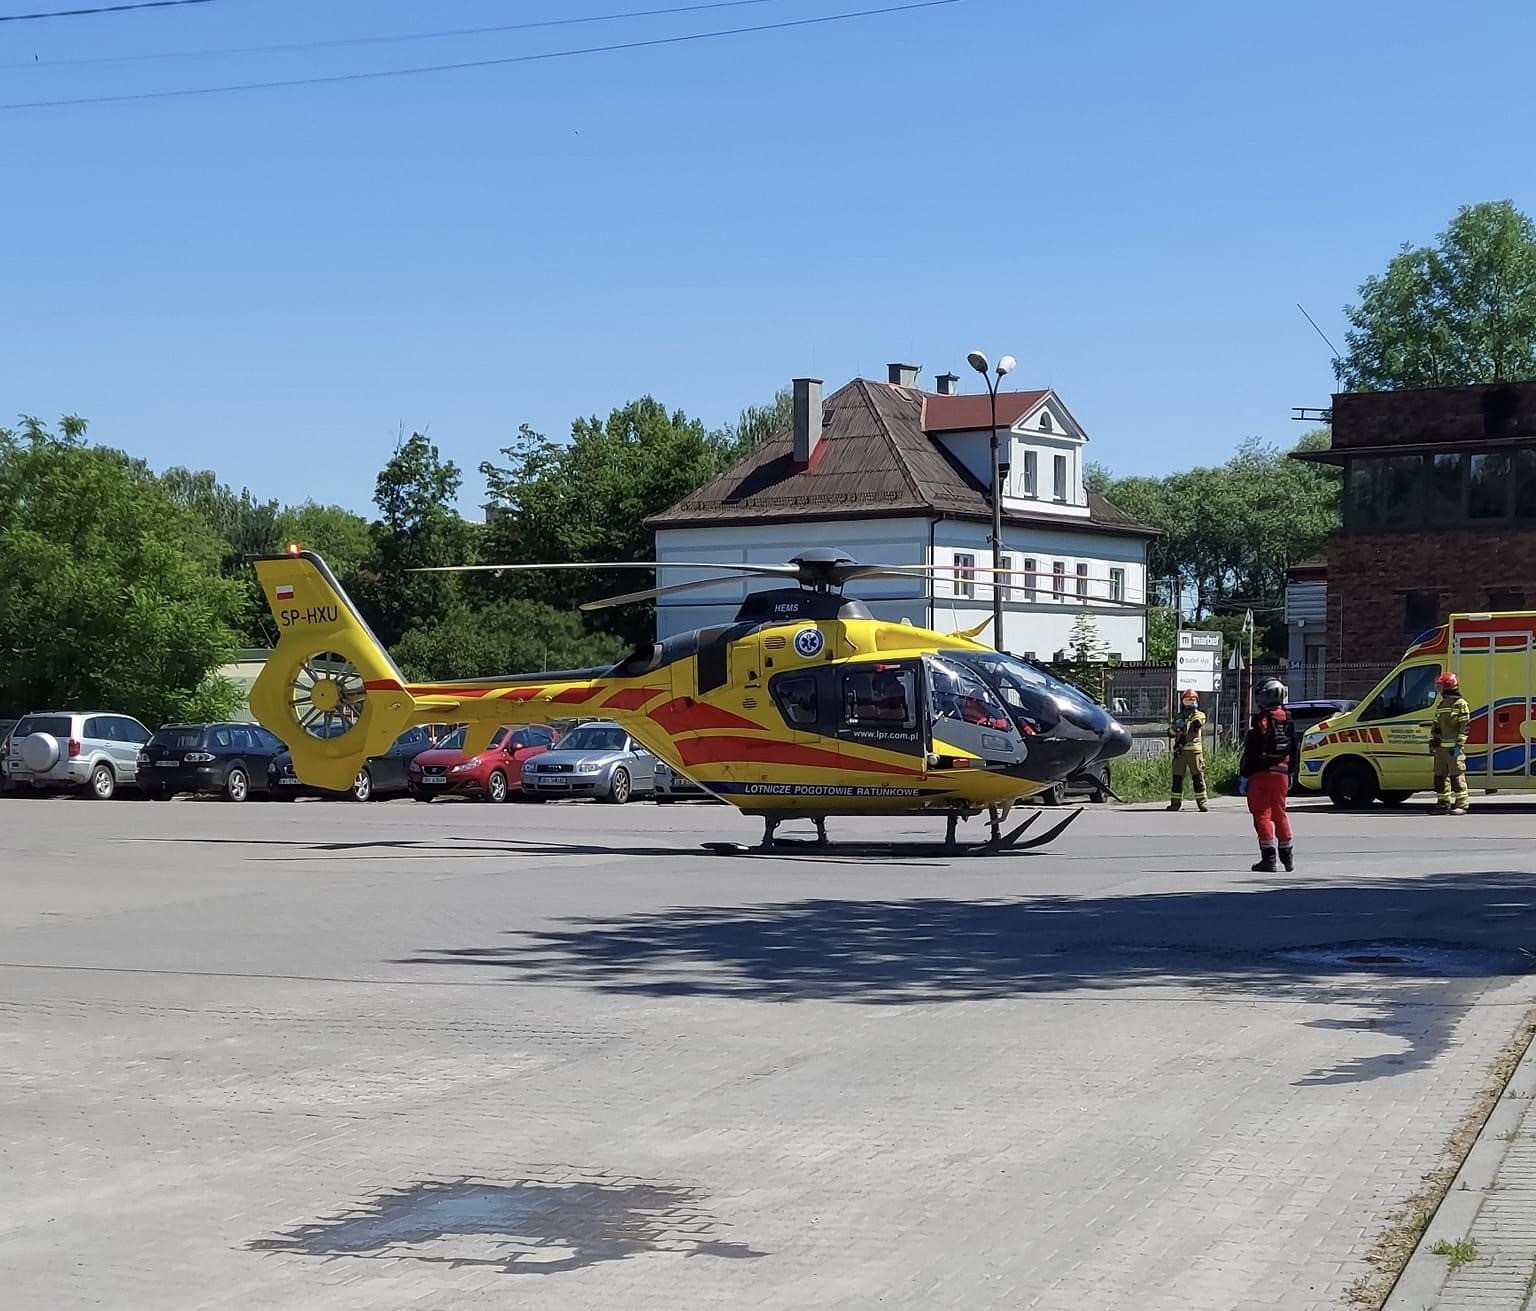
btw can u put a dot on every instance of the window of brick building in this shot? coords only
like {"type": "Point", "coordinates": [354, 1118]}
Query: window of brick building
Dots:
{"type": "Point", "coordinates": [1488, 486]}
{"type": "Point", "coordinates": [1447, 473]}
{"type": "Point", "coordinates": [1506, 598]}
{"type": "Point", "coordinates": [1421, 611]}
{"type": "Point", "coordinates": [1525, 483]}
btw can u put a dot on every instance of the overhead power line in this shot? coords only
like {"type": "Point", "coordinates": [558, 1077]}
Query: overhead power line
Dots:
{"type": "Point", "coordinates": [293, 47]}
{"type": "Point", "coordinates": [99, 9]}
{"type": "Point", "coordinates": [483, 63]}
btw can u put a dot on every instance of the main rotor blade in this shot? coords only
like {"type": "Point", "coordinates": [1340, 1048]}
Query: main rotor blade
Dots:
{"type": "Point", "coordinates": [650, 593]}
{"type": "Point", "coordinates": [760, 570]}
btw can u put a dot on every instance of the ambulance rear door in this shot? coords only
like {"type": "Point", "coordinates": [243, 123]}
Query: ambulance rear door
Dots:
{"type": "Point", "coordinates": [1496, 663]}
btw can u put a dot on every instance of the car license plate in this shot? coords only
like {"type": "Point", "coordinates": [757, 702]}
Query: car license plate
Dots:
{"type": "Point", "coordinates": [167, 764]}
{"type": "Point", "coordinates": [434, 778]}
{"type": "Point", "coordinates": [287, 782]}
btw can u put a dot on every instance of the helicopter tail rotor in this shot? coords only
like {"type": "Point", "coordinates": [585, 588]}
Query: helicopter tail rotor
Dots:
{"type": "Point", "coordinates": [329, 690]}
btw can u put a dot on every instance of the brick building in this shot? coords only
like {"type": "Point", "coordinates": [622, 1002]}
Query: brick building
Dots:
{"type": "Point", "coordinates": [1439, 513]}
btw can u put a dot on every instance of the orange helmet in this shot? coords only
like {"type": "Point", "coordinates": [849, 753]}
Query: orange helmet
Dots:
{"type": "Point", "coordinates": [1448, 682]}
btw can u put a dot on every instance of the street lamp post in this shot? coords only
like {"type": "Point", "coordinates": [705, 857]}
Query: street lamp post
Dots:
{"type": "Point", "coordinates": [979, 362]}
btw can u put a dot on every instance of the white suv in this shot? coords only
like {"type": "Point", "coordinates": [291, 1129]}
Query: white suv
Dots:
{"type": "Point", "coordinates": [62, 748]}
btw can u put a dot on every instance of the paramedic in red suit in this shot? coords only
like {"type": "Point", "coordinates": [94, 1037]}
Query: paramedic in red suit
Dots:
{"type": "Point", "coordinates": [1267, 752]}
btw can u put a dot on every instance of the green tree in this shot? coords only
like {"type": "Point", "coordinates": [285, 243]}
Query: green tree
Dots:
{"type": "Point", "coordinates": [1162, 629]}
{"type": "Point", "coordinates": [1461, 311]}
{"type": "Point", "coordinates": [101, 601]}
{"type": "Point", "coordinates": [505, 637]}
{"type": "Point", "coordinates": [755, 425]}
{"type": "Point", "coordinates": [417, 528]}
{"type": "Point", "coordinates": [340, 537]}
{"type": "Point", "coordinates": [589, 499]}
{"type": "Point", "coordinates": [1087, 659]}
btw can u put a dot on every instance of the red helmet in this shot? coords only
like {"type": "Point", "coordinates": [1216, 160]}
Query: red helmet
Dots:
{"type": "Point", "coordinates": [1189, 694]}
{"type": "Point", "coordinates": [1448, 682]}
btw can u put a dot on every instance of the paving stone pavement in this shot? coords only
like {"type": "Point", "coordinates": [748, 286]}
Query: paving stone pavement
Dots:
{"type": "Point", "coordinates": [400, 1056]}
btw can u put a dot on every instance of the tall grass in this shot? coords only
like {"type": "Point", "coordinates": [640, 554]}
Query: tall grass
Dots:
{"type": "Point", "coordinates": [1148, 778]}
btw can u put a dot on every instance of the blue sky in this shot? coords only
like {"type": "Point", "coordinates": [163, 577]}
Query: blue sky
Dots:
{"type": "Point", "coordinates": [1130, 198]}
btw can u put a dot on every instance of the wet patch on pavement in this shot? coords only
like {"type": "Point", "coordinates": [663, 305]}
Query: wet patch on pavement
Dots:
{"type": "Point", "coordinates": [562, 1220]}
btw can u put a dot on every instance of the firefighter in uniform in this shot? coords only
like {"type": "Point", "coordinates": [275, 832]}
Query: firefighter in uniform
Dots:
{"type": "Point", "coordinates": [1267, 752]}
{"type": "Point", "coordinates": [1448, 745]}
{"type": "Point", "coordinates": [1187, 733]}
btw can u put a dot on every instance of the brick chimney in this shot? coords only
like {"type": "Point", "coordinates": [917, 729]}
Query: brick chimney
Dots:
{"type": "Point", "coordinates": [948, 384]}
{"type": "Point", "coordinates": [903, 375]}
{"type": "Point", "coordinates": [808, 422]}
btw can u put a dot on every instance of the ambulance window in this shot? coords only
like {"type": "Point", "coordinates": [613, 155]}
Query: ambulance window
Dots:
{"type": "Point", "coordinates": [1410, 691]}
{"type": "Point", "coordinates": [796, 695]}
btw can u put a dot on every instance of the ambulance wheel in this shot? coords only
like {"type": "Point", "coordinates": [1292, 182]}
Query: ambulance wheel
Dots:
{"type": "Point", "coordinates": [1394, 798]}
{"type": "Point", "coordinates": [1351, 784]}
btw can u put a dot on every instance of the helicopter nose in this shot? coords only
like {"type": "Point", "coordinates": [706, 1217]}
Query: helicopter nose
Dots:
{"type": "Point", "coordinates": [1114, 741]}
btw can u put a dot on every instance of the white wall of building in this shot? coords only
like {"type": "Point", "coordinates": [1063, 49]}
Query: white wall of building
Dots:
{"type": "Point", "coordinates": [1043, 625]}
{"type": "Point", "coordinates": [869, 541]}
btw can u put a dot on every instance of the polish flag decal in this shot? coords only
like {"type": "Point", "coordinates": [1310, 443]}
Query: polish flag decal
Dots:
{"type": "Point", "coordinates": [284, 591]}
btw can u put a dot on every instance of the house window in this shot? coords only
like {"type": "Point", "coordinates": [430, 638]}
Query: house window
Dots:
{"type": "Point", "coordinates": [1061, 477]}
{"type": "Point", "coordinates": [1421, 611]}
{"type": "Point", "coordinates": [1506, 598]}
{"type": "Point", "coordinates": [1031, 572]}
{"type": "Point", "coordinates": [1031, 474]}
{"type": "Point", "coordinates": [965, 573]}
{"type": "Point", "coordinates": [1488, 486]}
{"type": "Point", "coordinates": [1082, 580]}
{"type": "Point", "coordinates": [1004, 581]}
{"type": "Point", "coordinates": [1045, 422]}
{"type": "Point", "coordinates": [1117, 584]}
{"type": "Point", "coordinates": [1058, 580]}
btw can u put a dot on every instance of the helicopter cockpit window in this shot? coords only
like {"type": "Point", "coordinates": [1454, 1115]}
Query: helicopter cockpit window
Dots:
{"type": "Point", "coordinates": [796, 696]}
{"type": "Point", "coordinates": [884, 697]}
{"type": "Point", "coordinates": [959, 694]}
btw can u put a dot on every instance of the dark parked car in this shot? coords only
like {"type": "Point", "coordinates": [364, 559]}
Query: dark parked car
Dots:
{"type": "Point", "coordinates": [1307, 715]}
{"type": "Point", "coordinates": [1093, 782]}
{"type": "Point", "coordinates": [228, 759]}
{"type": "Point", "coordinates": [379, 776]}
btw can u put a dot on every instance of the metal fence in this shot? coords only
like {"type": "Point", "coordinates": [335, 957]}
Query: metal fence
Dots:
{"type": "Point", "coordinates": [1144, 692]}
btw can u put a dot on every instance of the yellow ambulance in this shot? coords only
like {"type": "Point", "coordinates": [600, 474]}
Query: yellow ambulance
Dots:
{"type": "Point", "coordinates": [1379, 751]}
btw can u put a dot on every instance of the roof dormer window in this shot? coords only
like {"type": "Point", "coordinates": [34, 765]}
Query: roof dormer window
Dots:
{"type": "Point", "coordinates": [1045, 422]}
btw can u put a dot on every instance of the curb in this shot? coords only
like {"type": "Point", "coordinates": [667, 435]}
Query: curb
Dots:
{"type": "Point", "coordinates": [1424, 1277]}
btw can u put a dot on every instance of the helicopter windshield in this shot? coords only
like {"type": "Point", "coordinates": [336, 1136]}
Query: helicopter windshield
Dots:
{"type": "Point", "coordinates": [960, 693]}
{"type": "Point", "coordinates": [1024, 687]}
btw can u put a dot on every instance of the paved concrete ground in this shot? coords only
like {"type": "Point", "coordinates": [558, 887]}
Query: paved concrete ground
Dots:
{"type": "Point", "coordinates": [337, 1056]}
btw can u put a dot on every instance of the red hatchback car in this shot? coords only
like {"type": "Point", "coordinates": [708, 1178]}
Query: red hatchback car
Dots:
{"type": "Point", "coordinates": [492, 775]}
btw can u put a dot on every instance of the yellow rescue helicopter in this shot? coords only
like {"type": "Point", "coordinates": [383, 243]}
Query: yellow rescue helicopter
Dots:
{"type": "Point", "coordinates": [805, 706]}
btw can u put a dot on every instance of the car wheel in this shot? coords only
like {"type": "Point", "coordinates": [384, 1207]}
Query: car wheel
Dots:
{"type": "Point", "coordinates": [1054, 796]}
{"type": "Point", "coordinates": [1394, 798]}
{"type": "Point", "coordinates": [1351, 785]}
{"type": "Point", "coordinates": [103, 783]}
{"type": "Point", "coordinates": [362, 786]}
{"type": "Point", "coordinates": [496, 787]}
{"type": "Point", "coordinates": [619, 789]}
{"type": "Point", "coordinates": [237, 785]}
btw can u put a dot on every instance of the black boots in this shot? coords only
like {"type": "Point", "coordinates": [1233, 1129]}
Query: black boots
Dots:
{"type": "Point", "coordinates": [1268, 864]}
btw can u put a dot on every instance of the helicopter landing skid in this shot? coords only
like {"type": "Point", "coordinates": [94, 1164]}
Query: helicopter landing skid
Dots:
{"type": "Point", "coordinates": [1000, 844]}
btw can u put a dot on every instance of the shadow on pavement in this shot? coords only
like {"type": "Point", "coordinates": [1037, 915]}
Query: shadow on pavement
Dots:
{"type": "Point", "coordinates": [1419, 949]}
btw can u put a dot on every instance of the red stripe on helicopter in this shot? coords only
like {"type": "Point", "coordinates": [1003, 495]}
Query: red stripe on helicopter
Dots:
{"type": "Point", "coordinates": [383, 685]}
{"type": "Point", "coordinates": [685, 715]}
{"type": "Point", "coordinates": [632, 698]}
{"type": "Point", "coordinates": [765, 751]}
{"type": "Point", "coordinates": [575, 695]}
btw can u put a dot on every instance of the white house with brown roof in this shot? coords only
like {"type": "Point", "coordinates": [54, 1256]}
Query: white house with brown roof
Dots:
{"type": "Point", "coordinates": [895, 474]}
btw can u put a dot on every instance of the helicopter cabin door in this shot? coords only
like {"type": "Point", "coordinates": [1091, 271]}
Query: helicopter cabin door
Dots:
{"type": "Point", "coordinates": [882, 707]}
